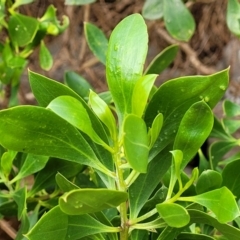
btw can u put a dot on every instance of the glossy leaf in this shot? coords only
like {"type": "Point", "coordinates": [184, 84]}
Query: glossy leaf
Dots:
{"type": "Point", "coordinates": [45, 178]}
{"type": "Point", "coordinates": [231, 177]}
{"type": "Point", "coordinates": [22, 29]}
{"type": "Point", "coordinates": [124, 69]}
{"type": "Point", "coordinates": [154, 131]}
{"type": "Point", "coordinates": [20, 198]}
{"type": "Point", "coordinates": [45, 57]}
{"type": "Point", "coordinates": [6, 161]}
{"type": "Point", "coordinates": [79, 2]}
{"type": "Point", "coordinates": [176, 96]}
{"type": "Point", "coordinates": [178, 20]}
{"type": "Point", "coordinates": [220, 201]}
{"type": "Point", "coordinates": [208, 180]}
{"type": "Point", "coordinates": [152, 9]}
{"type": "Point", "coordinates": [231, 109]}
{"type": "Point", "coordinates": [50, 138]}
{"type": "Point", "coordinates": [82, 201]}
{"type": "Point", "coordinates": [74, 112]}
{"type": "Point", "coordinates": [56, 225]}
{"type": "Point", "coordinates": [227, 230]}
{"type": "Point", "coordinates": [173, 214]}
{"type": "Point", "coordinates": [135, 143]}
{"type": "Point", "coordinates": [141, 93]}
{"type": "Point", "coordinates": [77, 83]}
{"type": "Point", "coordinates": [32, 164]}
{"type": "Point", "coordinates": [193, 130]}
{"type": "Point", "coordinates": [64, 184]}
{"type": "Point", "coordinates": [97, 41]}
{"type": "Point", "coordinates": [233, 11]}
{"type": "Point", "coordinates": [162, 60]}
{"type": "Point", "coordinates": [103, 112]}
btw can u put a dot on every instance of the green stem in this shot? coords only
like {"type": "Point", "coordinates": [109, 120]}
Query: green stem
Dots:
{"type": "Point", "coordinates": [131, 178]}
{"type": "Point", "coordinates": [143, 217]}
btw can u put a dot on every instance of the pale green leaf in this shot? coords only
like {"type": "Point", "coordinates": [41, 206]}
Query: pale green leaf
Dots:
{"type": "Point", "coordinates": [154, 131]}
{"type": "Point", "coordinates": [45, 57]}
{"type": "Point", "coordinates": [152, 9]}
{"type": "Point", "coordinates": [233, 13]}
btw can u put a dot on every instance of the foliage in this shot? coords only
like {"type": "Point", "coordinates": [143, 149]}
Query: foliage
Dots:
{"type": "Point", "coordinates": [111, 166]}
{"type": "Point", "coordinates": [22, 35]}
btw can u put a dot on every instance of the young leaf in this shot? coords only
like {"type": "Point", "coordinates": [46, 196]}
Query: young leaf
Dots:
{"type": "Point", "coordinates": [72, 110]}
{"type": "Point", "coordinates": [208, 180]}
{"type": "Point", "coordinates": [103, 112]}
{"type": "Point", "coordinates": [77, 83]}
{"type": "Point", "coordinates": [231, 177]}
{"type": "Point", "coordinates": [233, 11]}
{"type": "Point", "coordinates": [220, 201]}
{"type": "Point", "coordinates": [6, 161]}
{"type": "Point", "coordinates": [173, 214]}
{"type": "Point", "coordinates": [124, 69]}
{"type": "Point", "coordinates": [231, 109]}
{"type": "Point", "coordinates": [178, 20]}
{"type": "Point", "coordinates": [141, 93]}
{"type": "Point", "coordinates": [45, 57]}
{"type": "Point", "coordinates": [20, 198]}
{"type": "Point", "coordinates": [152, 9]}
{"type": "Point", "coordinates": [87, 200]}
{"type": "Point", "coordinates": [32, 164]}
{"type": "Point", "coordinates": [51, 136]}
{"type": "Point", "coordinates": [162, 60]}
{"type": "Point", "coordinates": [22, 29]}
{"type": "Point", "coordinates": [194, 129]}
{"type": "Point", "coordinates": [97, 41]}
{"type": "Point", "coordinates": [135, 142]}
{"type": "Point", "coordinates": [154, 131]}
{"type": "Point", "coordinates": [173, 106]}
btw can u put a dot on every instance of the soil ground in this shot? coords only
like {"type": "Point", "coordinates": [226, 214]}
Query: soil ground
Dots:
{"type": "Point", "coordinates": [212, 48]}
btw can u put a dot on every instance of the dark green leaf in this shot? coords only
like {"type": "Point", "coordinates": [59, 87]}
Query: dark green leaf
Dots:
{"type": "Point", "coordinates": [152, 9]}
{"type": "Point", "coordinates": [22, 29]}
{"type": "Point", "coordinates": [77, 83]}
{"type": "Point", "coordinates": [64, 184]}
{"type": "Point", "coordinates": [82, 201]}
{"type": "Point", "coordinates": [124, 69]}
{"type": "Point", "coordinates": [208, 180]}
{"type": "Point", "coordinates": [193, 236]}
{"type": "Point", "coordinates": [178, 20]}
{"type": "Point", "coordinates": [135, 142]}
{"type": "Point", "coordinates": [139, 235]}
{"type": "Point", "coordinates": [162, 60]}
{"type": "Point", "coordinates": [45, 57]}
{"type": "Point", "coordinates": [49, 136]}
{"type": "Point", "coordinates": [97, 41]}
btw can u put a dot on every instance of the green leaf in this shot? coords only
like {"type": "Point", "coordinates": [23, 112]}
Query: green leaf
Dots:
{"type": "Point", "coordinates": [218, 130]}
{"type": "Point", "coordinates": [103, 112]}
{"type": "Point", "coordinates": [46, 177]}
{"type": "Point", "coordinates": [64, 184]}
{"type": "Point", "coordinates": [231, 109]}
{"type": "Point", "coordinates": [231, 126]}
{"type": "Point", "coordinates": [141, 93]}
{"type": "Point", "coordinates": [233, 12]}
{"type": "Point", "coordinates": [173, 214]}
{"type": "Point", "coordinates": [152, 9]}
{"type": "Point", "coordinates": [20, 198]}
{"type": "Point", "coordinates": [56, 225]}
{"type": "Point", "coordinates": [208, 180]}
{"type": "Point", "coordinates": [18, 3]}
{"type": "Point", "coordinates": [154, 131]}
{"type": "Point", "coordinates": [45, 57]}
{"type": "Point", "coordinates": [176, 96]}
{"type": "Point", "coordinates": [231, 177]}
{"type": "Point", "coordinates": [22, 29]}
{"type": "Point", "coordinates": [77, 83]}
{"type": "Point", "coordinates": [32, 164]}
{"type": "Point", "coordinates": [6, 161]}
{"type": "Point", "coordinates": [193, 236]}
{"type": "Point", "coordinates": [162, 60]}
{"type": "Point", "coordinates": [178, 20]}
{"type": "Point", "coordinates": [49, 136]}
{"type": "Point", "coordinates": [97, 41]}
{"type": "Point", "coordinates": [123, 69]}
{"type": "Point", "coordinates": [72, 110]}
{"type": "Point", "coordinates": [220, 201]}
{"type": "Point", "coordinates": [139, 235]}
{"type": "Point", "coordinates": [193, 130]}
{"type": "Point", "coordinates": [82, 201]}
{"type": "Point", "coordinates": [227, 230]}
{"type": "Point", "coordinates": [78, 2]}
{"type": "Point", "coordinates": [135, 142]}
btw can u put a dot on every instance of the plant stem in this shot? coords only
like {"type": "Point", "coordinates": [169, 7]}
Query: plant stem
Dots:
{"type": "Point", "coordinates": [143, 217]}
